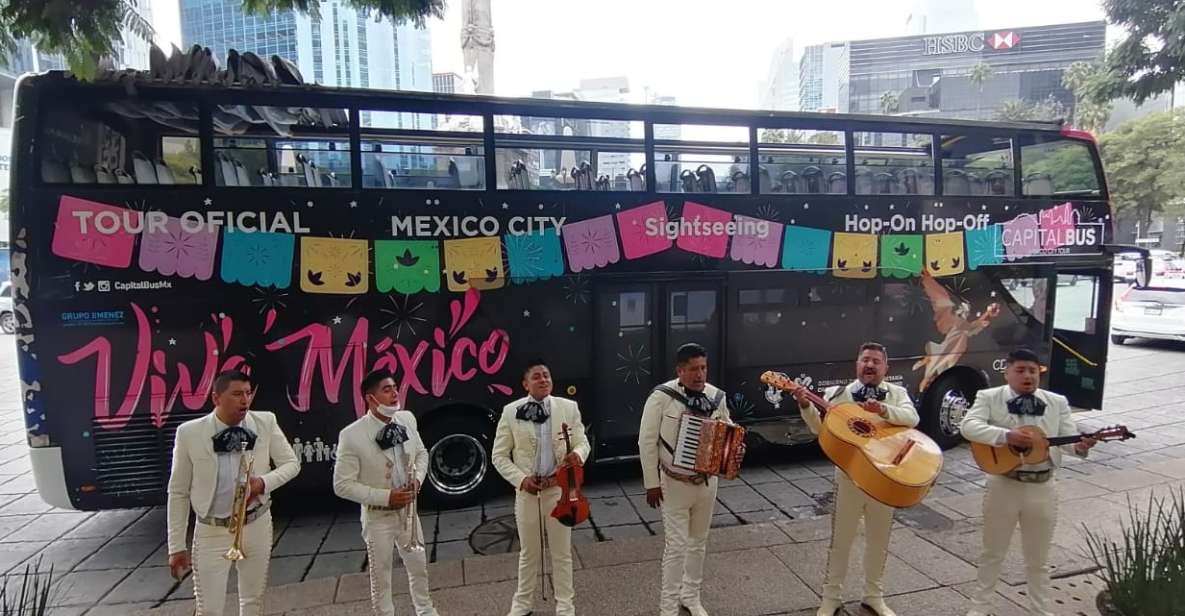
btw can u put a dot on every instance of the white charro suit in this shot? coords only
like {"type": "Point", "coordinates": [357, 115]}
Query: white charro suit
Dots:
{"type": "Point", "coordinates": [852, 504]}
{"type": "Point", "coordinates": [1007, 501]}
{"type": "Point", "coordinates": [686, 507]}
{"type": "Point", "coordinates": [516, 447]}
{"type": "Point", "coordinates": [363, 474]}
{"type": "Point", "coordinates": [192, 486]}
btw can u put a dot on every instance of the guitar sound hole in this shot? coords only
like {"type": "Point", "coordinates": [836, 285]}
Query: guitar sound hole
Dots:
{"type": "Point", "coordinates": [861, 427]}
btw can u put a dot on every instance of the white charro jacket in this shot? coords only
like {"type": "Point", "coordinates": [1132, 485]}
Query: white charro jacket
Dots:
{"type": "Point", "coordinates": [194, 477]}
{"type": "Point", "coordinates": [660, 419]}
{"type": "Point", "coordinates": [360, 473]}
{"type": "Point", "coordinates": [897, 405]}
{"type": "Point", "coordinates": [988, 421]}
{"type": "Point", "coordinates": [515, 443]}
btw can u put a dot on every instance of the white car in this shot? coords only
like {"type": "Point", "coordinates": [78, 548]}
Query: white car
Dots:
{"type": "Point", "coordinates": [1125, 266]}
{"type": "Point", "coordinates": [1156, 312]}
{"type": "Point", "coordinates": [7, 319]}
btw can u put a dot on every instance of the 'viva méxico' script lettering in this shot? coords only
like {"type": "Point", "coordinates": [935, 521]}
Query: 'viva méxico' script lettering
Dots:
{"type": "Point", "coordinates": [426, 367]}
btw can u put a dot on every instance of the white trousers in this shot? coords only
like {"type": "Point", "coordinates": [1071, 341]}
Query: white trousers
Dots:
{"type": "Point", "coordinates": [384, 532]}
{"type": "Point", "coordinates": [852, 505]}
{"type": "Point", "coordinates": [1007, 503]}
{"type": "Point", "coordinates": [211, 570]}
{"type": "Point", "coordinates": [686, 519]}
{"type": "Point", "coordinates": [528, 509]}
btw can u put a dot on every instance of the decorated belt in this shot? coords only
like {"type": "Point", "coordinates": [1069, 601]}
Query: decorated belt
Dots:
{"type": "Point", "coordinates": [382, 508]}
{"type": "Point", "coordinates": [252, 515]}
{"type": "Point", "coordinates": [696, 479]}
{"type": "Point", "coordinates": [547, 482]}
{"type": "Point", "coordinates": [1031, 476]}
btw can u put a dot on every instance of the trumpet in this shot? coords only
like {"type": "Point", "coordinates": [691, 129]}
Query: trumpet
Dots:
{"type": "Point", "coordinates": [238, 514]}
{"type": "Point", "coordinates": [411, 523]}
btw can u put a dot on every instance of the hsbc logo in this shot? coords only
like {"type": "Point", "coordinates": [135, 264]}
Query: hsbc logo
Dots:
{"type": "Point", "coordinates": [1003, 40]}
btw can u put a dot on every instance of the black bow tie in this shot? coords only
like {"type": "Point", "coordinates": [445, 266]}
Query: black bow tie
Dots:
{"type": "Point", "coordinates": [232, 439]}
{"type": "Point", "coordinates": [862, 393]}
{"type": "Point", "coordinates": [391, 435]}
{"type": "Point", "coordinates": [532, 410]}
{"type": "Point", "coordinates": [1028, 404]}
{"type": "Point", "coordinates": [698, 402]}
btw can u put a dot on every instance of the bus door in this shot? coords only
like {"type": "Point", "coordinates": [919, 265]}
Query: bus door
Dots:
{"type": "Point", "coordinates": [1081, 327]}
{"type": "Point", "coordinates": [639, 326]}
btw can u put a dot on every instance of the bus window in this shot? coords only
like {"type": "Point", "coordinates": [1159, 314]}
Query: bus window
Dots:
{"type": "Point", "coordinates": [702, 170]}
{"type": "Point", "coordinates": [527, 168]}
{"type": "Point", "coordinates": [406, 120]}
{"type": "Point", "coordinates": [423, 163]}
{"type": "Point", "coordinates": [132, 141]}
{"type": "Point", "coordinates": [802, 162]}
{"type": "Point", "coordinates": [977, 165]}
{"type": "Point", "coordinates": [620, 170]}
{"type": "Point", "coordinates": [1055, 166]}
{"type": "Point", "coordinates": [894, 164]}
{"type": "Point", "coordinates": [281, 146]}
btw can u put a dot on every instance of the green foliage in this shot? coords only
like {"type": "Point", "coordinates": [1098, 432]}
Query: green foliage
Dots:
{"type": "Point", "coordinates": [1151, 60]}
{"type": "Point", "coordinates": [1091, 85]}
{"type": "Point", "coordinates": [1026, 111]}
{"type": "Point", "coordinates": [1145, 163]}
{"type": "Point", "coordinates": [781, 135]}
{"type": "Point", "coordinates": [26, 593]}
{"type": "Point", "coordinates": [890, 104]}
{"type": "Point", "coordinates": [1144, 568]}
{"type": "Point", "coordinates": [85, 31]}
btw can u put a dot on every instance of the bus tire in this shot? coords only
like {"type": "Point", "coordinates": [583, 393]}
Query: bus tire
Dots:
{"type": "Point", "coordinates": [459, 466]}
{"type": "Point", "coordinates": [945, 404]}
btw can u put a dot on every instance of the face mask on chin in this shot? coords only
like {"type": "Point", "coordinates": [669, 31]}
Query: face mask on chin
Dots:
{"type": "Point", "coordinates": [388, 411]}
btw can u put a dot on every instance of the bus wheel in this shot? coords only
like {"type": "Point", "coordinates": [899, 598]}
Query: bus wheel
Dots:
{"type": "Point", "coordinates": [1115, 339]}
{"type": "Point", "coordinates": [458, 460]}
{"type": "Point", "coordinates": [947, 402]}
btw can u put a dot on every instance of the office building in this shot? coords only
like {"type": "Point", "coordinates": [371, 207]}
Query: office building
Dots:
{"type": "Point", "coordinates": [447, 83]}
{"type": "Point", "coordinates": [823, 78]}
{"type": "Point", "coordinates": [779, 91]}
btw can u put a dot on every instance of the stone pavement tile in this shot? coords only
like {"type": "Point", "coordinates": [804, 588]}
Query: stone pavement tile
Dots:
{"type": "Point", "coordinates": [319, 519]}
{"type": "Point", "coordinates": [929, 559]}
{"type": "Point", "coordinates": [300, 540]}
{"type": "Point", "coordinates": [122, 609]}
{"type": "Point", "coordinates": [632, 486]}
{"type": "Point", "coordinates": [454, 550]}
{"type": "Point", "coordinates": [785, 496]}
{"type": "Point", "coordinates": [500, 511]}
{"type": "Point", "coordinates": [356, 608]}
{"type": "Point", "coordinates": [83, 587]}
{"type": "Point", "coordinates": [477, 600]}
{"type": "Point", "coordinates": [486, 569]}
{"type": "Point", "coordinates": [1174, 468]}
{"type": "Point", "coordinates": [70, 610]}
{"type": "Point", "coordinates": [13, 554]}
{"type": "Point", "coordinates": [1139, 497]}
{"type": "Point", "coordinates": [814, 486]}
{"type": "Point", "coordinates": [759, 474]}
{"type": "Point", "coordinates": [628, 531]}
{"type": "Point", "coordinates": [751, 582]}
{"type": "Point", "coordinates": [966, 540]}
{"type": "Point", "coordinates": [347, 537]}
{"type": "Point", "coordinates": [763, 517]}
{"type": "Point", "coordinates": [809, 560]}
{"type": "Point", "coordinates": [442, 574]}
{"type": "Point", "coordinates": [143, 584]}
{"type": "Point", "coordinates": [18, 484]}
{"type": "Point", "coordinates": [52, 525]}
{"type": "Point", "coordinates": [584, 535]}
{"type": "Point", "coordinates": [282, 598]}
{"type": "Point", "coordinates": [454, 525]}
{"type": "Point", "coordinates": [105, 524]}
{"type": "Point", "coordinates": [626, 590]}
{"type": "Point", "coordinates": [723, 519]}
{"type": "Point", "coordinates": [609, 553]}
{"type": "Point", "coordinates": [741, 498]}
{"type": "Point", "coordinates": [286, 570]}
{"type": "Point", "coordinates": [614, 511]}
{"type": "Point", "coordinates": [29, 503]}
{"type": "Point", "coordinates": [355, 587]}
{"type": "Point", "coordinates": [1001, 605]}
{"type": "Point", "coordinates": [16, 466]}
{"type": "Point", "coordinates": [746, 538]}
{"type": "Point", "coordinates": [644, 510]}
{"type": "Point", "coordinates": [809, 529]}
{"type": "Point", "coordinates": [791, 471]}
{"type": "Point", "coordinates": [1128, 479]}
{"type": "Point", "coordinates": [933, 602]}
{"type": "Point", "coordinates": [10, 526]}
{"type": "Point", "coordinates": [153, 523]}
{"type": "Point", "coordinates": [338, 563]}
{"type": "Point", "coordinates": [122, 553]}
{"type": "Point", "coordinates": [1073, 488]}
{"type": "Point", "coordinates": [968, 505]}
{"type": "Point", "coordinates": [603, 488]}
{"type": "Point", "coordinates": [64, 554]}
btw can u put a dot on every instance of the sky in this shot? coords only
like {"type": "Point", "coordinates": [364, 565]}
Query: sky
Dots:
{"type": "Point", "coordinates": [705, 53]}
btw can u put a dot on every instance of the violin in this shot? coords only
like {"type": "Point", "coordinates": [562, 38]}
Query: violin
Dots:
{"type": "Point", "coordinates": [572, 509]}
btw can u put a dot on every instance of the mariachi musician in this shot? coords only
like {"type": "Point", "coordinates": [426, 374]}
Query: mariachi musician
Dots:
{"type": "Point", "coordinates": [892, 403]}
{"type": "Point", "coordinates": [528, 449]}
{"type": "Point", "coordinates": [209, 455]}
{"type": "Point", "coordinates": [687, 497]}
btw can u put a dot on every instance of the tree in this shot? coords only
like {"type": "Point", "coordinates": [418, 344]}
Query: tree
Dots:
{"type": "Point", "coordinates": [1151, 60]}
{"type": "Point", "coordinates": [781, 135]}
{"type": "Point", "coordinates": [1145, 164]}
{"type": "Point", "coordinates": [889, 103]}
{"type": "Point", "coordinates": [1090, 84]}
{"type": "Point", "coordinates": [979, 74]}
{"type": "Point", "coordinates": [85, 31]}
{"type": "Point", "coordinates": [1026, 111]}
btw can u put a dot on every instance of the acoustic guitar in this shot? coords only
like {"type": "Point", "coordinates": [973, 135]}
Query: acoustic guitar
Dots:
{"type": "Point", "coordinates": [1006, 458]}
{"type": "Point", "coordinates": [893, 464]}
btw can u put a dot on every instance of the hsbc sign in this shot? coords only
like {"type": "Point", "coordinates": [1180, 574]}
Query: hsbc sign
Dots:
{"type": "Point", "coordinates": [969, 43]}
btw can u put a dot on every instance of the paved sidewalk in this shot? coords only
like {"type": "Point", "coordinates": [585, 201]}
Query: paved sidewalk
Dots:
{"type": "Point", "coordinates": [774, 568]}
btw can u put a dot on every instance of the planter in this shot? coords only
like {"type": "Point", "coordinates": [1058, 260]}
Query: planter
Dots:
{"type": "Point", "coordinates": [1106, 607]}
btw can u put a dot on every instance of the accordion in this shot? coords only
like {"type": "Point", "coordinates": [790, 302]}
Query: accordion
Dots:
{"type": "Point", "coordinates": [708, 446]}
